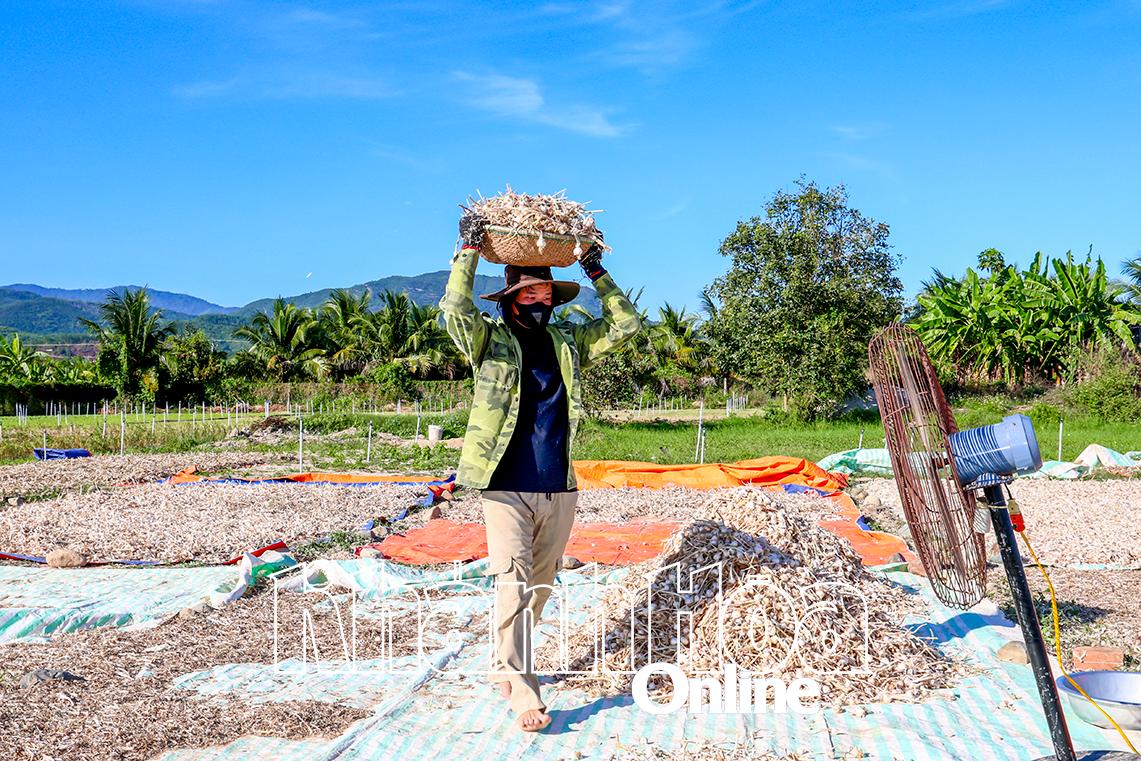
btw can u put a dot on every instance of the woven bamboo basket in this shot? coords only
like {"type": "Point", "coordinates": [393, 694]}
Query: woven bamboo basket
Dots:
{"type": "Point", "coordinates": [504, 245]}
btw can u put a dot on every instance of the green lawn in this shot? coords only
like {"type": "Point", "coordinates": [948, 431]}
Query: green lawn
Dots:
{"type": "Point", "coordinates": [740, 438]}
{"type": "Point", "coordinates": [736, 438]}
{"type": "Point", "coordinates": [670, 440]}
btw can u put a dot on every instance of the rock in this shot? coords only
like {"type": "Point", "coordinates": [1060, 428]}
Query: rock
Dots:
{"type": "Point", "coordinates": [65, 558]}
{"type": "Point", "coordinates": [570, 563]}
{"type": "Point", "coordinates": [32, 678]}
{"type": "Point", "coordinates": [872, 502]}
{"type": "Point", "coordinates": [1013, 652]}
{"type": "Point", "coordinates": [436, 513]}
{"type": "Point", "coordinates": [15, 501]}
{"type": "Point", "coordinates": [370, 552]}
{"type": "Point", "coordinates": [199, 608]}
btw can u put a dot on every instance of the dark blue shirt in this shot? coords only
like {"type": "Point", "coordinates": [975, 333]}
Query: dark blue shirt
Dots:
{"type": "Point", "coordinates": [536, 457]}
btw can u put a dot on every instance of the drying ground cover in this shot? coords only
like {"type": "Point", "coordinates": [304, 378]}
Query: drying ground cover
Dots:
{"type": "Point", "coordinates": [128, 705]}
{"type": "Point", "coordinates": [132, 672]}
{"type": "Point", "coordinates": [1073, 525]}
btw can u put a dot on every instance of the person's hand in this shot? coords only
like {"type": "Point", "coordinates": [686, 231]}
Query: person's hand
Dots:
{"type": "Point", "coordinates": [591, 261]}
{"type": "Point", "coordinates": [471, 229]}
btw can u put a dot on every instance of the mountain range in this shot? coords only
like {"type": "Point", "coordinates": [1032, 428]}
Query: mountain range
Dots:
{"type": "Point", "coordinates": [44, 315]}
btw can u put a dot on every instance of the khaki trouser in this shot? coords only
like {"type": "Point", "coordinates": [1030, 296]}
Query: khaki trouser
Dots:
{"type": "Point", "coordinates": [526, 535]}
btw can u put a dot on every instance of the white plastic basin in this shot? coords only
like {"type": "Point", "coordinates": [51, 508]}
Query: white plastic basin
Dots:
{"type": "Point", "coordinates": [1117, 692]}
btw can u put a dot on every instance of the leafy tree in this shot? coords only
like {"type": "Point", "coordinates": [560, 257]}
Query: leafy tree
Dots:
{"type": "Point", "coordinates": [680, 350]}
{"type": "Point", "coordinates": [808, 285]}
{"type": "Point", "coordinates": [992, 262]}
{"type": "Point", "coordinates": [131, 335]}
{"type": "Point", "coordinates": [191, 367]}
{"type": "Point", "coordinates": [281, 339]}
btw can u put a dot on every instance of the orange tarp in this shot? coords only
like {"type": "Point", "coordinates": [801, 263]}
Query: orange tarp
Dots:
{"type": "Point", "coordinates": [763, 471]}
{"type": "Point", "coordinates": [619, 543]}
{"type": "Point", "coordinates": [874, 547]}
{"type": "Point", "coordinates": [443, 541]}
{"type": "Point", "coordinates": [190, 475]}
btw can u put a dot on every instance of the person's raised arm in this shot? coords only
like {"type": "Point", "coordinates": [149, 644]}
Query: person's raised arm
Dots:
{"type": "Point", "coordinates": [619, 321]}
{"type": "Point", "coordinates": [467, 326]}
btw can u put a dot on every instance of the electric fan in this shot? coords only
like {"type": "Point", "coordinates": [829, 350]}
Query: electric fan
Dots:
{"type": "Point", "coordinates": [938, 470]}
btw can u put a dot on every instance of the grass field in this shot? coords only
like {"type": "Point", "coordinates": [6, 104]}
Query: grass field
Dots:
{"type": "Point", "coordinates": [669, 438]}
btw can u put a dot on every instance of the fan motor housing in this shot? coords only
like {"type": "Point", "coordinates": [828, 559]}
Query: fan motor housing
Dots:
{"type": "Point", "coordinates": [992, 453]}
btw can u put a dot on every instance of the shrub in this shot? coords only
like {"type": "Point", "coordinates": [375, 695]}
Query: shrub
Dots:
{"type": "Point", "coordinates": [393, 381]}
{"type": "Point", "coordinates": [1112, 391]}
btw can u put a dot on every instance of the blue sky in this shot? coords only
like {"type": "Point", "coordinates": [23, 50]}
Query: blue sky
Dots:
{"type": "Point", "coordinates": [236, 149]}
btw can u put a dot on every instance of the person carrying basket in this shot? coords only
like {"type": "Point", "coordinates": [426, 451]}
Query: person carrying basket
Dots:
{"type": "Point", "coordinates": [526, 407]}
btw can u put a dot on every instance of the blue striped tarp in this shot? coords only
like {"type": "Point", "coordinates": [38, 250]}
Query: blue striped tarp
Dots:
{"type": "Point", "coordinates": [430, 713]}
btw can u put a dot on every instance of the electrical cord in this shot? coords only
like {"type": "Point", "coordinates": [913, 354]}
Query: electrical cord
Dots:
{"type": "Point", "coordinates": [1058, 641]}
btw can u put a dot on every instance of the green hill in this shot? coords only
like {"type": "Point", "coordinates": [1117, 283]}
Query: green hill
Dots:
{"type": "Point", "coordinates": [40, 318]}
{"type": "Point", "coordinates": [427, 288]}
{"type": "Point", "coordinates": [25, 312]}
{"type": "Point", "coordinates": [173, 302]}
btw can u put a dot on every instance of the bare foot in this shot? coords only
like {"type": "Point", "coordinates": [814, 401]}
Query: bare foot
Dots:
{"type": "Point", "coordinates": [534, 720]}
{"type": "Point", "coordinates": [505, 690]}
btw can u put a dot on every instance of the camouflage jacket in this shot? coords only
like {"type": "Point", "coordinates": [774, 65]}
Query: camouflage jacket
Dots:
{"type": "Point", "coordinates": [496, 360]}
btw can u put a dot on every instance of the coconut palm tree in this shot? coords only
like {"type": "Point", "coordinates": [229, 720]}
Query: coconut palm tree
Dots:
{"type": "Point", "coordinates": [132, 330]}
{"type": "Point", "coordinates": [1132, 271]}
{"type": "Point", "coordinates": [281, 339]}
{"type": "Point", "coordinates": [342, 320]}
{"type": "Point", "coordinates": [427, 346]}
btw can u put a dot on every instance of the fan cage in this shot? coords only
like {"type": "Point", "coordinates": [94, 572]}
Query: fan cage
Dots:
{"type": "Point", "coordinates": [917, 425]}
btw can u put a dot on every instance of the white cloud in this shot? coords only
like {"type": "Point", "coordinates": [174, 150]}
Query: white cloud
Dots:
{"type": "Point", "coordinates": [671, 211]}
{"type": "Point", "coordinates": [521, 98]}
{"type": "Point", "coordinates": [856, 132]}
{"type": "Point", "coordinates": [330, 86]}
{"type": "Point", "coordinates": [299, 86]}
{"type": "Point", "coordinates": [961, 9]}
{"type": "Point", "coordinates": [207, 89]}
{"type": "Point", "coordinates": [862, 163]}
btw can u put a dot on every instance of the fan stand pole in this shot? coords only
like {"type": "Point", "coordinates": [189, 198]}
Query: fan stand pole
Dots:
{"type": "Point", "coordinates": [1028, 619]}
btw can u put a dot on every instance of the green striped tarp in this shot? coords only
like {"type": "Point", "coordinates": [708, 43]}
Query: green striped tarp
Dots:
{"type": "Point", "coordinates": [431, 712]}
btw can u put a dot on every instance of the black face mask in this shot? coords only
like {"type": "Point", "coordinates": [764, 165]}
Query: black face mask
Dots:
{"type": "Point", "coordinates": [530, 316]}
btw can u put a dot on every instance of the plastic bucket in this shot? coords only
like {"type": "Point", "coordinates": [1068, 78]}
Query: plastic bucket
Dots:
{"type": "Point", "coordinates": [1000, 449]}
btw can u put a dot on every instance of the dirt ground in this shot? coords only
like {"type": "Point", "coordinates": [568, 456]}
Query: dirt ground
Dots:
{"type": "Point", "coordinates": [1072, 524]}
